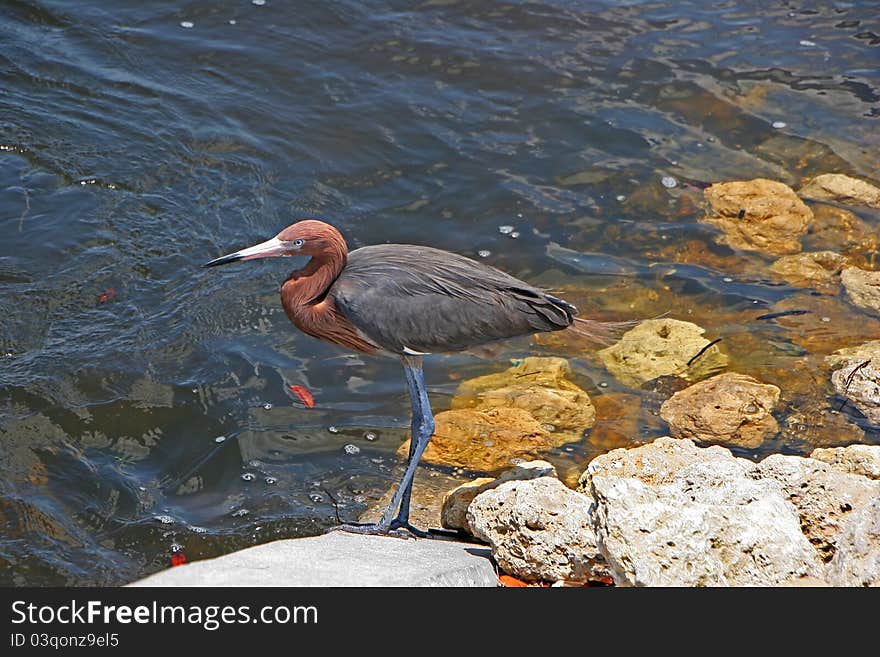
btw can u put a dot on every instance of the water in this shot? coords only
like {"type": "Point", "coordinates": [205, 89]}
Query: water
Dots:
{"type": "Point", "coordinates": [137, 142]}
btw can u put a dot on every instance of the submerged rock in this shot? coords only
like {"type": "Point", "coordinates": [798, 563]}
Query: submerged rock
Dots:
{"type": "Point", "coordinates": [759, 215]}
{"type": "Point", "coordinates": [485, 441]}
{"type": "Point", "coordinates": [812, 269]}
{"type": "Point", "coordinates": [855, 459]}
{"type": "Point", "coordinates": [617, 420]}
{"type": "Point", "coordinates": [660, 347]}
{"type": "Point", "coordinates": [814, 424]}
{"type": "Point", "coordinates": [567, 410]}
{"type": "Point", "coordinates": [672, 514]}
{"type": "Point", "coordinates": [537, 385]}
{"type": "Point", "coordinates": [841, 189]}
{"type": "Point", "coordinates": [539, 530]}
{"type": "Point", "coordinates": [862, 287]}
{"type": "Point", "coordinates": [729, 409]}
{"type": "Point", "coordinates": [857, 377]}
{"type": "Point", "coordinates": [839, 230]}
{"type": "Point", "coordinates": [519, 412]}
{"type": "Point", "coordinates": [457, 501]}
{"type": "Point", "coordinates": [551, 372]}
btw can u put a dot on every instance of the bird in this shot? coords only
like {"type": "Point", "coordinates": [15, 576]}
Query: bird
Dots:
{"type": "Point", "coordinates": [409, 301]}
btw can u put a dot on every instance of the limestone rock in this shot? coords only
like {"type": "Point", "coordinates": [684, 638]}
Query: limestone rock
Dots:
{"type": "Point", "coordinates": [664, 536]}
{"type": "Point", "coordinates": [856, 459]}
{"type": "Point", "coordinates": [457, 501]}
{"type": "Point", "coordinates": [812, 269]}
{"type": "Point", "coordinates": [538, 385]}
{"type": "Point", "coordinates": [856, 561]}
{"type": "Point", "coordinates": [730, 409]}
{"type": "Point", "coordinates": [842, 189]}
{"type": "Point", "coordinates": [538, 530]}
{"type": "Point", "coordinates": [336, 559]}
{"type": "Point", "coordinates": [659, 347]}
{"type": "Point", "coordinates": [672, 514]}
{"type": "Point", "coordinates": [857, 377]}
{"type": "Point", "coordinates": [823, 496]}
{"type": "Point", "coordinates": [759, 215]}
{"type": "Point", "coordinates": [661, 462]}
{"type": "Point", "coordinates": [863, 287]}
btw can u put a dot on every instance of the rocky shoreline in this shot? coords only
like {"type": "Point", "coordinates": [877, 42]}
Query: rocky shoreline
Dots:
{"type": "Point", "coordinates": [670, 513]}
{"type": "Point", "coordinates": [683, 510]}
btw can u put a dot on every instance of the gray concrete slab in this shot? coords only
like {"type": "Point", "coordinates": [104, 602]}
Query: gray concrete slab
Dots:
{"type": "Point", "coordinates": [339, 559]}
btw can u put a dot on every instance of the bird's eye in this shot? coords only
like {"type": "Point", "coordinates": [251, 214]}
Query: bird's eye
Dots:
{"type": "Point", "coordinates": [298, 243]}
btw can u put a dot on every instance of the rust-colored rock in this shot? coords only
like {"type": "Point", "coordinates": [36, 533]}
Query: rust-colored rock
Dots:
{"type": "Point", "coordinates": [759, 215]}
{"type": "Point", "coordinates": [728, 409]}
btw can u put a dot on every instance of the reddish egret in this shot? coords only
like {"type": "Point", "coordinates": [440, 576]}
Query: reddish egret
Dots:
{"type": "Point", "coordinates": [410, 301]}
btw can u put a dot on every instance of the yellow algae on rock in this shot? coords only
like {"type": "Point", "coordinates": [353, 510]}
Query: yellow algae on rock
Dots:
{"type": "Point", "coordinates": [658, 347]}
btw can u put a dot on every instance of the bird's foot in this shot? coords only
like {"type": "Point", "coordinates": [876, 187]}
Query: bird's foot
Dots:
{"type": "Point", "coordinates": [397, 528]}
{"type": "Point", "coordinates": [403, 525]}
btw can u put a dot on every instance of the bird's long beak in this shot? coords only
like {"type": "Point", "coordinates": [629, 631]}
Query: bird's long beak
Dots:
{"type": "Point", "coordinates": [268, 249]}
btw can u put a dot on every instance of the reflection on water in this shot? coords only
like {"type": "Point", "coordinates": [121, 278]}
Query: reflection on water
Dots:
{"type": "Point", "coordinates": [146, 403]}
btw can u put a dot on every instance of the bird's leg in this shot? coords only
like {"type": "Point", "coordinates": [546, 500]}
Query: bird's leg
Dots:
{"type": "Point", "coordinates": [422, 430]}
{"type": "Point", "coordinates": [415, 429]}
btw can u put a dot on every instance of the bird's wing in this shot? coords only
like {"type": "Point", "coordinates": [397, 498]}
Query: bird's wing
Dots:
{"type": "Point", "coordinates": [409, 298]}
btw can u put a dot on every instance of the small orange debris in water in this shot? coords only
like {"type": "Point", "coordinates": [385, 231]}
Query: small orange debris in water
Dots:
{"type": "Point", "coordinates": [178, 559]}
{"type": "Point", "coordinates": [107, 295]}
{"type": "Point", "coordinates": [38, 475]}
{"type": "Point", "coordinates": [304, 396]}
{"type": "Point", "coordinates": [511, 582]}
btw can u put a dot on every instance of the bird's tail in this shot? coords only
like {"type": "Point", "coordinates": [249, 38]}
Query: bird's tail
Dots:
{"type": "Point", "coordinates": [600, 333]}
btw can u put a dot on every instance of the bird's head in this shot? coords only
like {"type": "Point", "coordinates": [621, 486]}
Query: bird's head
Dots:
{"type": "Point", "coordinates": [304, 238]}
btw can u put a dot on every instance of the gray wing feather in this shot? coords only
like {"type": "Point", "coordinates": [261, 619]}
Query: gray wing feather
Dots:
{"type": "Point", "coordinates": [428, 300]}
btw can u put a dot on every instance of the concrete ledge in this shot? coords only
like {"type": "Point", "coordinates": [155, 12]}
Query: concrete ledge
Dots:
{"type": "Point", "coordinates": [339, 559]}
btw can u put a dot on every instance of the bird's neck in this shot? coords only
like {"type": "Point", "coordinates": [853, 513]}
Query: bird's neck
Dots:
{"type": "Point", "coordinates": [309, 285]}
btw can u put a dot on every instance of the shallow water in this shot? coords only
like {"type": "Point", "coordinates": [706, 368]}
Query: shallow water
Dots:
{"type": "Point", "coordinates": [137, 143]}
